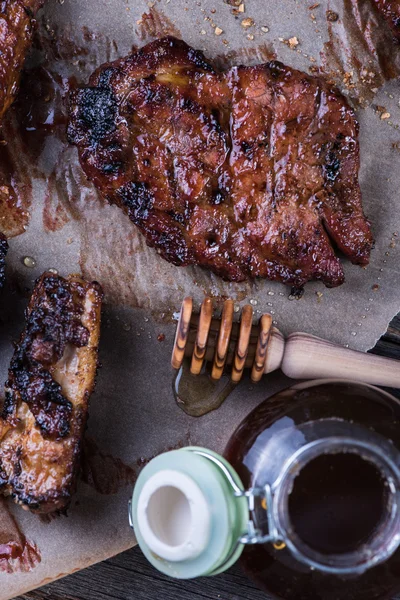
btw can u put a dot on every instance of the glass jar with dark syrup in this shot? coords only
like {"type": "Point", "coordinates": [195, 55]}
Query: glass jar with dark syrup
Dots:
{"type": "Point", "coordinates": [308, 491]}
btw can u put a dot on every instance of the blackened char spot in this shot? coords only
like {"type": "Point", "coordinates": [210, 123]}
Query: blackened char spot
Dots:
{"type": "Point", "coordinates": [218, 196]}
{"type": "Point", "coordinates": [247, 149]}
{"type": "Point", "coordinates": [199, 60]}
{"type": "Point", "coordinates": [212, 239]}
{"type": "Point", "coordinates": [139, 203]}
{"type": "Point", "coordinates": [8, 405]}
{"type": "Point", "coordinates": [97, 110]}
{"type": "Point", "coordinates": [111, 168]}
{"type": "Point", "coordinates": [189, 105]}
{"type": "Point", "coordinates": [173, 247]}
{"type": "Point", "coordinates": [138, 200]}
{"type": "Point", "coordinates": [27, 10]}
{"type": "Point", "coordinates": [105, 76]}
{"type": "Point", "coordinates": [52, 411]}
{"type": "Point", "coordinates": [297, 292]}
{"type": "Point", "coordinates": [177, 216]}
{"type": "Point", "coordinates": [276, 68]}
{"type": "Point", "coordinates": [332, 165]}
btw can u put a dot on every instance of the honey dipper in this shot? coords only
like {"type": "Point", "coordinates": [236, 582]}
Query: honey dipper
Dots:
{"type": "Point", "coordinates": [263, 349]}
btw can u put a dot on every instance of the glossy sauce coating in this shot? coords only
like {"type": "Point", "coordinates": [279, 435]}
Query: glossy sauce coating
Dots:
{"type": "Point", "coordinates": [249, 172]}
{"type": "Point", "coordinates": [16, 30]}
{"type": "Point", "coordinates": [50, 380]}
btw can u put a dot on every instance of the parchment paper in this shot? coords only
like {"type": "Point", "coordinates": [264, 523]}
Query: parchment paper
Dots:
{"type": "Point", "coordinates": [133, 415]}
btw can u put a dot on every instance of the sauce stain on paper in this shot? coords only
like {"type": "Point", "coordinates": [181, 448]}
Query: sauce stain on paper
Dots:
{"type": "Point", "coordinates": [155, 24]}
{"type": "Point", "coordinates": [15, 183]}
{"type": "Point", "coordinates": [361, 53]}
{"type": "Point", "coordinates": [105, 473]}
{"type": "Point", "coordinates": [248, 56]}
{"type": "Point", "coordinates": [34, 142]}
{"type": "Point", "coordinates": [17, 554]}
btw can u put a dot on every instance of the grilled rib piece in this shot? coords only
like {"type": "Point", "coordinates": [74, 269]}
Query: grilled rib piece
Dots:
{"type": "Point", "coordinates": [50, 380]}
{"type": "Point", "coordinates": [390, 10]}
{"type": "Point", "coordinates": [250, 172]}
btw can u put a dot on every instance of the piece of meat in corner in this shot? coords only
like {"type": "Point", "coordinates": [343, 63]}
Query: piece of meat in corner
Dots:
{"type": "Point", "coordinates": [51, 378]}
{"type": "Point", "coordinates": [17, 25]}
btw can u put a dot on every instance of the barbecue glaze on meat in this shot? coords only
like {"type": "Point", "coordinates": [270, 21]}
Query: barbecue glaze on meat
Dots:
{"type": "Point", "coordinates": [16, 31]}
{"type": "Point", "coordinates": [50, 380]}
{"type": "Point", "coordinates": [390, 10]}
{"type": "Point", "coordinates": [250, 172]}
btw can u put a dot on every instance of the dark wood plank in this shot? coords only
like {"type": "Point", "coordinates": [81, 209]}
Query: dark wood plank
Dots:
{"type": "Point", "coordinates": [129, 576]}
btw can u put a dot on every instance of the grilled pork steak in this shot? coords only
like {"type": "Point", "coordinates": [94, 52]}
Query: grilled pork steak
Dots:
{"type": "Point", "coordinates": [252, 172]}
{"type": "Point", "coordinates": [50, 381]}
{"type": "Point", "coordinates": [390, 10]}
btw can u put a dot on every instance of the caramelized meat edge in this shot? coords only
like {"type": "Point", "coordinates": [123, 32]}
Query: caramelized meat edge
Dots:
{"type": "Point", "coordinates": [51, 377]}
{"type": "Point", "coordinates": [252, 172]}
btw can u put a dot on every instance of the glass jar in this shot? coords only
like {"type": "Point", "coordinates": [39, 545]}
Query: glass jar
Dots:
{"type": "Point", "coordinates": [308, 493]}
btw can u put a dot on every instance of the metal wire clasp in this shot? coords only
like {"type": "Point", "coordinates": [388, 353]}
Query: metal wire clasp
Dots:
{"type": "Point", "coordinates": [253, 535]}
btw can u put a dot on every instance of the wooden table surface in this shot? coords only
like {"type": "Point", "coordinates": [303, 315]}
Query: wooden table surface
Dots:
{"type": "Point", "coordinates": [129, 576]}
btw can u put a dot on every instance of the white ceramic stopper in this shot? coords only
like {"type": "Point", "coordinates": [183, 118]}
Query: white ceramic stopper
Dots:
{"type": "Point", "coordinates": [173, 516]}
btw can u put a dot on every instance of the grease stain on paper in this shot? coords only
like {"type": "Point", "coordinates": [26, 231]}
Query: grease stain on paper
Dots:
{"type": "Point", "coordinates": [360, 54]}
{"type": "Point", "coordinates": [17, 554]}
{"type": "Point", "coordinates": [105, 473]}
{"type": "Point", "coordinates": [155, 24]}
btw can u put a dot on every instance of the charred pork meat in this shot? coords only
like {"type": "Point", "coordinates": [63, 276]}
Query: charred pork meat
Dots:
{"type": "Point", "coordinates": [50, 380]}
{"type": "Point", "coordinates": [17, 26]}
{"type": "Point", "coordinates": [3, 253]}
{"type": "Point", "coordinates": [251, 172]}
{"type": "Point", "coordinates": [390, 10]}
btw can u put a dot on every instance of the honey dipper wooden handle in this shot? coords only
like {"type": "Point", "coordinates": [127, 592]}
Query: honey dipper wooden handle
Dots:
{"type": "Point", "coordinates": [263, 349]}
{"type": "Point", "coordinates": [309, 357]}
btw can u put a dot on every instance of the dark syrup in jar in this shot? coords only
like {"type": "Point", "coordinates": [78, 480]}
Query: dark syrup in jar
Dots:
{"type": "Point", "coordinates": [337, 501]}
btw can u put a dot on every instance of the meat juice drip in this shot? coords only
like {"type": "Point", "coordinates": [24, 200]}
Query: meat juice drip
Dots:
{"type": "Point", "coordinates": [337, 501]}
{"type": "Point", "coordinates": [198, 395]}
{"type": "Point", "coordinates": [41, 109]}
